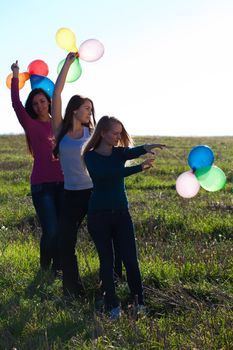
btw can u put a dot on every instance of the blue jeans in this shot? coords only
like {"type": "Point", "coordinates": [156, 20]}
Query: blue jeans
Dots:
{"type": "Point", "coordinates": [115, 225]}
{"type": "Point", "coordinates": [47, 199]}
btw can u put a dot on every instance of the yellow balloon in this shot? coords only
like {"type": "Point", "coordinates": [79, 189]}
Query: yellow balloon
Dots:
{"type": "Point", "coordinates": [66, 39]}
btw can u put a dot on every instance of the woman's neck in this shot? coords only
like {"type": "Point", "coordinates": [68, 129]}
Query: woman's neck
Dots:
{"type": "Point", "coordinates": [77, 130]}
{"type": "Point", "coordinates": [44, 118]}
{"type": "Point", "coordinates": [104, 149]}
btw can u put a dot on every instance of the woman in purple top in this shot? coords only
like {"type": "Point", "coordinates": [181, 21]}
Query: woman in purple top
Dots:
{"type": "Point", "coordinates": [46, 177]}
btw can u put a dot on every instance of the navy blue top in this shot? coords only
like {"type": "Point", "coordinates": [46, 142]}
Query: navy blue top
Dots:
{"type": "Point", "coordinates": [107, 174]}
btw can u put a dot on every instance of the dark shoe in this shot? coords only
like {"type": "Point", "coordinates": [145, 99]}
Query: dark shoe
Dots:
{"type": "Point", "coordinates": [74, 291]}
{"type": "Point", "coordinates": [57, 273]}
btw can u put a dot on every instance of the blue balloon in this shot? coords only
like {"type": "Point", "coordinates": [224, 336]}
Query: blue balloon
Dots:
{"type": "Point", "coordinates": [39, 81]}
{"type": "Point", "coordinates": [200, 157]}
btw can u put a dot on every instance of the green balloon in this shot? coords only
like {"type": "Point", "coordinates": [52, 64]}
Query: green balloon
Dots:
{"type": "Point", "coordinates": [211, 178]}
{"type": "Point", "coordinates": [74, 72]}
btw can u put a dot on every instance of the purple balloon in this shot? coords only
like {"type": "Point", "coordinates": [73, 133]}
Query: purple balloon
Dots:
{"type": "Point", "coordinates": [39, 81]}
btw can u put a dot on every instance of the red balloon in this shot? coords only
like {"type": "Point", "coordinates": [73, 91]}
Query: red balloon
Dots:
{"type": "Point", "coordinates": [38, 67]}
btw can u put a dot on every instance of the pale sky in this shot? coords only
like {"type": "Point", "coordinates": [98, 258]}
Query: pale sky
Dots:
{"type": "Point", "coordinates": [167, 67]}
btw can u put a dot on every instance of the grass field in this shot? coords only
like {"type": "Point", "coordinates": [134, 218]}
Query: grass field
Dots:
{"type": "Point", "coordinates": [185, 251]}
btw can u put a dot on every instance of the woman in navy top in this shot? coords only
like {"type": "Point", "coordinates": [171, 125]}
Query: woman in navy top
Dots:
{"type": "Point", "coordinates": [105, 156]}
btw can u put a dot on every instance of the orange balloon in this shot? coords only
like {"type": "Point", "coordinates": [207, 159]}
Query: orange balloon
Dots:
{"type": "Point", "coordinates": [8, 80]}
{"type": "Point", "coordinates": [22, 78]}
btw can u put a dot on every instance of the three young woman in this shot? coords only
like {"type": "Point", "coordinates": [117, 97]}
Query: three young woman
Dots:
{"type": "Point", "coordinates": [105, 155]}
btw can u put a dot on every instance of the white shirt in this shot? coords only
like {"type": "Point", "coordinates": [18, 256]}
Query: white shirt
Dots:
{"type": "Point", "coordinates": [76, 176]}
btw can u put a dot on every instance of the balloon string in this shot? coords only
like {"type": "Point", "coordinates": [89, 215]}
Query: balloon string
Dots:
{"type": "Point", "coordinates": [175, 156]}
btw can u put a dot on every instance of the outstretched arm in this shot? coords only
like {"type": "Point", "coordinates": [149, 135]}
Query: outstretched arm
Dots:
{"type": "Point", "coordinates": [135, 152]}
{"type": "Point", "coordinates": [56, 99]}
{"type": "Point", "coordinates": [130, 170]}
{"type": "Point", "coordinates": [148, 147]}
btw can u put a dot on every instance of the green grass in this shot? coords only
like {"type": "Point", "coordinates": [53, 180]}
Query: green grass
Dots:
{"type": "Point", "coordinates": [185, 251]}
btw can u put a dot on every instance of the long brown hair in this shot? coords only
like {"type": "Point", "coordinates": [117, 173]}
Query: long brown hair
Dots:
{"type": "Point", "coordinates": [74, 103]}
{"type": "Point", "coordinates": [30, 110]}
{"type": "Point", "coordinates": [104, 124]}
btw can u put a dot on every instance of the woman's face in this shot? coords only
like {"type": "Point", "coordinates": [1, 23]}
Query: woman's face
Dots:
{"type": "Point", "coordinates": [40, 105]}
{"type": "Point", "coordinates": [113, 135]}
{"type": "Point", "coordinates": [84, 112]}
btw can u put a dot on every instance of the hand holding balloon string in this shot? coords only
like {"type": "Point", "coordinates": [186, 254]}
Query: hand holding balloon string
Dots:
{"type": "Point", "coordinates": [72, 56]}
{"type": "Point", "coordinates": [147, 164]}
{"type": "Point", "coordinates": [149, 147]}
{"type": "Point", "coordinates": [90, 50]}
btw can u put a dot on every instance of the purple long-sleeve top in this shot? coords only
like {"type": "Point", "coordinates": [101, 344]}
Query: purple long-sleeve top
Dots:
{"type": "Point", "coordinates": [45, 168]}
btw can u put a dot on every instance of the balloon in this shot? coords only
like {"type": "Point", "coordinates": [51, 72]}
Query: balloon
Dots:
{"type": "Point", "coordinates": [39, 81]}
{"type": "Point", "coordinates": [200, 156]}
{"type": "Point", "coordinates": [22, 79]}
{"type": "Point", "coordinates": [38, 67]}
{"type": "Point", "coordinates": [66, 39]}
{"type": "Point", "coordinates": [187, 185]}
{"type": "Point", "coordinates": [91, 50]}
{"type": "Point", "coordinates": [211, 178]}
{"type": "Point", "coordinates": [24, 76]}
{"type": "Point", "coordinates": [74, 72]}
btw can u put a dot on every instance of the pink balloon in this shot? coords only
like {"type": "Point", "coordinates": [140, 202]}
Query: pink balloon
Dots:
{"type": "Point", "coordinates": [91, 50]}
{"type": "Point", "coordinates": [187, 185]}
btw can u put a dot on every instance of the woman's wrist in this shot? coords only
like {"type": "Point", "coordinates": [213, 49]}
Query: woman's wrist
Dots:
{"type": "Point", "coordinates": [15, 74]}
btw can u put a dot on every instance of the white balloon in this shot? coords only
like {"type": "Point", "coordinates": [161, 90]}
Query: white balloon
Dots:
{"type": "Point", "coordinates": [91, 50]}
{"type": "Point", "coordinates": [187, 185]}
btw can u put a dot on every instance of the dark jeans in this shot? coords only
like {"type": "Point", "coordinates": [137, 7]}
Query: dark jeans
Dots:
{"type": "Point", "coordinates": [74, 209]}
{"type": "Point", "coordinates": [47, 199]}
{"type": "Point", "coordinates": [104, 227]}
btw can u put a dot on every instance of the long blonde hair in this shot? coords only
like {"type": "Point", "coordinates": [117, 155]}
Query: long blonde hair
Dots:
{"type": "Point", "coordinates": [104, 124]}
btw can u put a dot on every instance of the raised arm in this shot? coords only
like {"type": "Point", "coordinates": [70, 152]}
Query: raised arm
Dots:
{"type": "Point", "coordinates": [15, 69]}
{"type": "Point", "coordinates": [56, 99]}
{"type": "Point", "coordinates": [19, 109]}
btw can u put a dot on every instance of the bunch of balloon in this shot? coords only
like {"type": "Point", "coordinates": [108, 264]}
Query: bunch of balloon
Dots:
{"type": "Point", "coordinates": [90, 50]}
{"type": "Point", "coordinates": [38, 71]}
{"type": "Point", "coordinates": [203, 174]}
